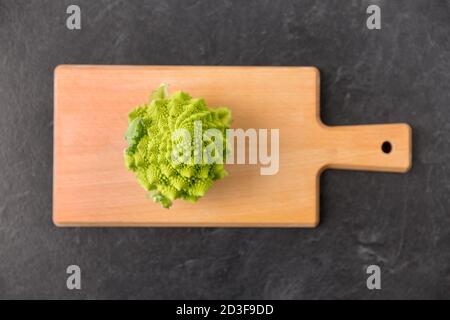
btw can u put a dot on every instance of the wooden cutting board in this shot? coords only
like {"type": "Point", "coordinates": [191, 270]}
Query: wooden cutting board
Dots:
{"type": "Point", "coordinates": [92, 187]}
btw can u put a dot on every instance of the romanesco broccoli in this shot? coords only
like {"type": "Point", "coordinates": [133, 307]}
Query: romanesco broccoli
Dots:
{"type": "Point", "coordinates": [167, 165]}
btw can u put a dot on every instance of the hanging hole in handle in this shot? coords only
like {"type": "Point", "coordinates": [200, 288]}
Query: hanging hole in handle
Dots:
{"type": "Point", "coordinates": [386, 147]}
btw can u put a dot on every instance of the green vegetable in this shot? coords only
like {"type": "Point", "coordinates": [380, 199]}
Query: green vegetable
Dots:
{"type": "Point", "coordinates": [170, 165]}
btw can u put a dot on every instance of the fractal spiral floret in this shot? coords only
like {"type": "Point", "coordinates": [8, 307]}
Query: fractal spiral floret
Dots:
{"type": "Point", "coordinates": [165, 164]}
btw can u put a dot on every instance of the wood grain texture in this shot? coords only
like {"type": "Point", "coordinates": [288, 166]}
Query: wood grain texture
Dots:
{"type": "Point", "coordinates": [92, 187]}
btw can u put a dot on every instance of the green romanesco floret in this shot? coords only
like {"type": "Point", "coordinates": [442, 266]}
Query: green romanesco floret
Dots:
{"type": "Point", "coordinates": [164, 151]}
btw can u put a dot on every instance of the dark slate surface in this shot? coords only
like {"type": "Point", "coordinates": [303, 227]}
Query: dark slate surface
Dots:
{"type": "Point", "coordinates": [400, 222]}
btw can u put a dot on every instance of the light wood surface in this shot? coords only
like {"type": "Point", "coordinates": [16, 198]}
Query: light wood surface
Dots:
{"type": "Point", "coordinates": [92, 187]}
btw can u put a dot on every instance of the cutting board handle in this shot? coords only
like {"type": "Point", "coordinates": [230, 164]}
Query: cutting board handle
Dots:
{"type": "Point", "coordinates": [380, 147]}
